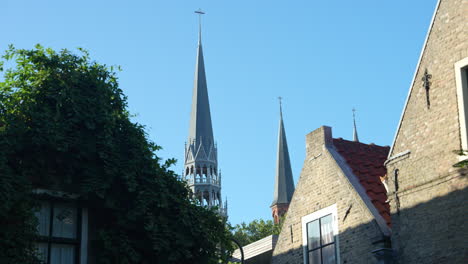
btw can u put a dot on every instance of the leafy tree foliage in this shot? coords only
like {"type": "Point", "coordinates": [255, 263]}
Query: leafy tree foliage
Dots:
{"type": "Point", "coordinates": [64, 126]}
{"type": "Point", "coordinates": [463, 163]}
{"type": "Point", "coordinates": [255, 230]}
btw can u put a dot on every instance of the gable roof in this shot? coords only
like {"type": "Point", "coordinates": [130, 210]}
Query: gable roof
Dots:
{"type": "Point", "coordinates": [367, 163]}
{"type": "Point", "coordinates": [414, 78]}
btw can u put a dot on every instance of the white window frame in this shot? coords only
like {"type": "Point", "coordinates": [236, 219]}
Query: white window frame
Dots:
{"type": "Point", "coordinates": [462, 95]}
{"type": "Point", "coordinates": [332, 209]}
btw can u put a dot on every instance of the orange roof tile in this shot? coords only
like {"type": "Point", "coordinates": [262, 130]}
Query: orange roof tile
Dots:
{"type": "Point", "coordinates": [367, 163]}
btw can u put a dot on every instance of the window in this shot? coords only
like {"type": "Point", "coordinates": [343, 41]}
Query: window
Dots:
{"type": "Point", "coordinates": [320, 236]}
{"type": "Point", "coordinates": [461, 77]}
{"type": "Point", "coordinates": [58, 229]}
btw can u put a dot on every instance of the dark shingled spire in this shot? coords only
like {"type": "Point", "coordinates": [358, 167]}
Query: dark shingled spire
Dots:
{"type": "Point", "coordinates": [284, 184]}
{"type": "Point", "coordinates": [355, 136]}
{"type": "Point", "coordinates": [200, 118]}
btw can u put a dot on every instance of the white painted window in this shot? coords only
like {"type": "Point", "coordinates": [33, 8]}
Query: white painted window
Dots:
{"type": "Point", "coordinates": [320, 236]}
{"type": "Point", "coordinates": [60, 240]}
{"type": "Point", "coordinates": [461, 78]}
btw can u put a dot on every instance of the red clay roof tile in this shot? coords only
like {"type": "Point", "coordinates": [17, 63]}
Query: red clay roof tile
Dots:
{"type": "Point", "coordinates": [367, 163]}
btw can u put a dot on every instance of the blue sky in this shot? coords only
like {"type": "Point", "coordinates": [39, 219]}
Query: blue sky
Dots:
{"type": "Point", "coordinates": [322, 57]}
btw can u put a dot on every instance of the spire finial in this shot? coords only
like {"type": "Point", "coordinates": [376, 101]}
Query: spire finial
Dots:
{"type": "Point", "coordinates": [200, 13]}
{"type": "Point", "coordinates": [280, 104]}
{"type": "Point", "coordinates": [355, 134]}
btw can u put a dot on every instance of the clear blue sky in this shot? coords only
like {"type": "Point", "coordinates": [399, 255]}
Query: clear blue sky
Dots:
{"type": "Point", "coordinates": [322, 57]}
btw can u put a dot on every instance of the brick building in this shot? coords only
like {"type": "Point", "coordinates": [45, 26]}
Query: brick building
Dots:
{"type": "Point", "coordinates": [427, 194]}
{"type": "Point", "coordinates": [339, 211]}
{"type": "Point", "coordinates": [355, 204]}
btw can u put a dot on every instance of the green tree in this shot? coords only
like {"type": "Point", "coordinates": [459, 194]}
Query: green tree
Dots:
{"type": "Point", "coordinates": [64, 125]}
{"type": "Point", "coordinates": [255, 230]}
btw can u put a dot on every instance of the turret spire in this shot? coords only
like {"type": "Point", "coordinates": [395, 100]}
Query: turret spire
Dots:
{"type": "Point", "coordinates": [355, 135]}
{"type": "Point", "coordinates": [284, 184]}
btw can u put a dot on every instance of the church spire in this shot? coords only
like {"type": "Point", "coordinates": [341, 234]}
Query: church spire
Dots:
{"type": "Point", "coordinates": [200, 118]}
{"type": "Point", "coordinates": [284, 184]}
{"type": "Point", "coordinates": [201, 153]}
{"type": "Point", "coordinates": [355, 135]}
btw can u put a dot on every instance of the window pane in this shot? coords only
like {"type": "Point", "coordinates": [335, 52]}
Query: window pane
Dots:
{"type": "Point", "coordinates": [328, 254]}
{"type": "Point", "coordinates": [313, 234]}
{"type": "Point", "coordinates": [42, 251]}
{"type": "Point", "coordinates": [314, 257]}
{"type": "Point", "coordinates": [43, 217]}
{"type": "Point", "coordinates": [64, 221]}
{"type": "Point", "coordinates": [327, 229]}
{"type": "Point", "coordinates": [62, 254]}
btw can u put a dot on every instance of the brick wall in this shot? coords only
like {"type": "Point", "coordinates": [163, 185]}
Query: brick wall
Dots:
{"type": "Point", "coordinates": [429, 206]}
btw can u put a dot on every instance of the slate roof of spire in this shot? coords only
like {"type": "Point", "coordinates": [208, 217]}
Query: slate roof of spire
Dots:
{"type": "Point", "coordinates": [284, 184]}
{"type": "Point", "coordinates": [367, 163]}
{"type": "Point", "coordinates": [200, 117]}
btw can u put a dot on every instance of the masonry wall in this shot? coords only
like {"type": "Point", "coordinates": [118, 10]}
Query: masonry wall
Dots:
{"type": "Point", "coordinates": [427, 137]}
{"type": "Point", "coordinates": [322, 184]}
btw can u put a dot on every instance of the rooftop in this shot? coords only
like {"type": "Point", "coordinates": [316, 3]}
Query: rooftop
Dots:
{"type": "Point", "coordinates": [367, 163]}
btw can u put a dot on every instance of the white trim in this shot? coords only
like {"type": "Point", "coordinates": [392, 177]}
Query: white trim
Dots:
{"type": "Point", "coordinates": [462, 97]}
{"type": "Point", "coordinates": [414, 77]}
{"type": "Point", "coordinates": [84, 236]}
{"type": "Point", "coordinates": [396, 156]}
{"type": "Point", "coordinates": [332, 209]}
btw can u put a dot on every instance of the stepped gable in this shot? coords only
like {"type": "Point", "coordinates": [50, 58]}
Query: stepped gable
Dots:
{"type": "Point", "coordinates": [367, 163]}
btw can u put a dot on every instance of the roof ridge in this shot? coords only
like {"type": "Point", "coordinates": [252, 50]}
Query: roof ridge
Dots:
{"type": "Point", "coordinates": [360, 143]}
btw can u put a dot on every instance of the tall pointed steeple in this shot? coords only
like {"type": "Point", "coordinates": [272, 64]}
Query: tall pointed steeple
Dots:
{"type": "Point", "coordinates": [284, 184]}
{"type": "Point", "coordinates": [201, 153]}
{"type": "Point", "coordinates": [200, 118]}
{"type": "Point", "coordinates": [355, 135]}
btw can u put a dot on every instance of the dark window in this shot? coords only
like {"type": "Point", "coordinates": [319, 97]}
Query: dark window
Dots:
{"type": "Point", "coordinates": [59, 233]}
{"type": "Point", "coordinates": [321, 246]}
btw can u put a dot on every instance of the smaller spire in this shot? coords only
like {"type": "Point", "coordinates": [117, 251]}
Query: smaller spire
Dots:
{"type": "Point", "coordinates": [355, 135]}
{"type": "Point", "coordinates": [284, 184]}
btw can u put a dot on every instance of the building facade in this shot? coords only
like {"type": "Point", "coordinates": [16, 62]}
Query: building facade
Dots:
{"type": "Point", "coordinates": [427, 193]}
{"type": "Point", "coordinates": [338, 213]}
{"type": "Point", "coordinates": [359, 203]}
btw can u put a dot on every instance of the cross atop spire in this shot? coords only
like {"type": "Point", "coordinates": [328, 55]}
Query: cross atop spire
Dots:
{"type": "Point", "coordinates": [355, 135]}
{"type": "Point", "coordinates": [200, 13]}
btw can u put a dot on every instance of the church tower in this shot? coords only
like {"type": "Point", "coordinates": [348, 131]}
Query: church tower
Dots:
{"type": "Point", "coordinates": [201, 153]}
{"type": "Point", "coordinates": [284, 184]}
